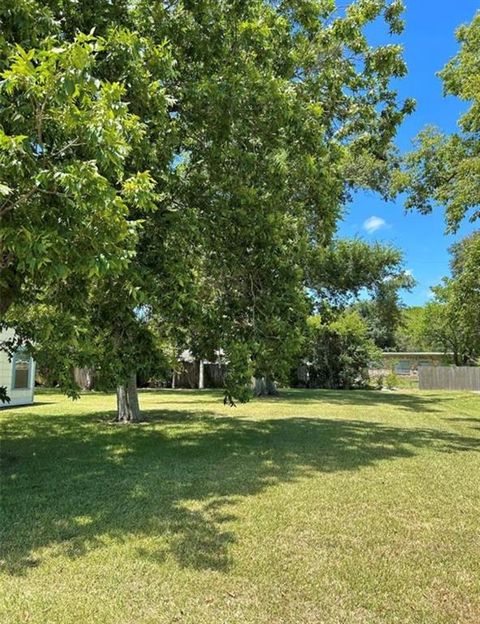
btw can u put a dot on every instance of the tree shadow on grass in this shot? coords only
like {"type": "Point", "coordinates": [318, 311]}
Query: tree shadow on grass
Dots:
{"type": "Point", "coordinates": [4, 408]}
{"type": "Point", "coordinates": [72, 484]}
{"type": "Point", "coordinates": [397, 399]}
{"type": "Point", "coordinates": [474, 423]}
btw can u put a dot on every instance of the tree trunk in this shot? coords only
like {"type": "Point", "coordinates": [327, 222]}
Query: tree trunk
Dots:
{"type": "Point", "coordinates": [133, 397]}
{"type": "Point", "coordinates": [264, 386]}
{"type": "Point", "coordinates": [83, 377]}
{"type": "Point", "coordinates": [122, 404]}
{"type": "Point", "coordinates": [270, 386]}
{"type": "Point", "coordinates": [6, 300]}
{"type": "Point", "coordinates": [11, 283]}
{"type": "Point", "coordinates": [258, 384]}
{"type": "Point", "coordinates": [128, 409]}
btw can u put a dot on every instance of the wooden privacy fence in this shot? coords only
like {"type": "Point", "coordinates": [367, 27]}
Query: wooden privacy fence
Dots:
{"type": "Point", "coordinates": [449, 378]}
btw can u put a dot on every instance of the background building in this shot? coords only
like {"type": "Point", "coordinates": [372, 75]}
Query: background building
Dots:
{"type": "Point", "coordinates": [17, 374]}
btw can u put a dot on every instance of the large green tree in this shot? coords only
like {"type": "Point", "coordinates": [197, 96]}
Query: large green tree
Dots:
{"type": "Point", "coordinates": [84, 143]}
{"type": "Point", "coordinates": [295, 110]}
{"type": "Point", "coordinates": [243, 128]}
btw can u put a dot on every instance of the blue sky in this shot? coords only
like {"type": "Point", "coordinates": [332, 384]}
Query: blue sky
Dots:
{"type": "Point", "coordinates": [429, 42]}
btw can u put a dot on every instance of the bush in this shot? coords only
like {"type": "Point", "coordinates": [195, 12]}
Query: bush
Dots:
{"type": "Point", "coordinates": [339, 352]}
{"type": "Point", "coordinates": [391, 381]}
{"type": "Point", "coordinates": [377, 381]}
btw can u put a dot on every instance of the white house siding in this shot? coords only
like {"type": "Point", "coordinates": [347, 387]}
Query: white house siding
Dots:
{"type": "Point", "coordinates": [17, 396]}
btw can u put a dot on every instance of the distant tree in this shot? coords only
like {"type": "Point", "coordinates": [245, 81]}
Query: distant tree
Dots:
{"type": "Point", "coordinates": [443, 325]}
{"type": "Point", "coordinates": [464, 254]}
{"type": "Point", "coordinates": [339, 352]}
{"type": "Point", "coordinates": [383, 311]}
{"type": "Point", "coordinates": [465, 267]}
{"type": "Point", "coordinates": [445, 170]}
{"type": "Point", "coordinates": [410, 335]}
{"type": "Point", "coordinates": [347, 268]}
{"type": "Point", "coordinates": [452, 320]}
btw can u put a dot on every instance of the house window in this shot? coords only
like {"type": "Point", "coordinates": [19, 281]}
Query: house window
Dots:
{"type": "Point", "coordinates": [424, 363]}
{"type": "Point", "coordinates": [21, 365]}
{"type": "Point", "coordinates": [403, 367]}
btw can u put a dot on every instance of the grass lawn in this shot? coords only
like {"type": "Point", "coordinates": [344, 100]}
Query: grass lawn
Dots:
{"type": "Point", "coordinates": [318, 506]}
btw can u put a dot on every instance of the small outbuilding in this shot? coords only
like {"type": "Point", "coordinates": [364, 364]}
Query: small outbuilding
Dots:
{"type": "Point", "coordinates": [17, 374]}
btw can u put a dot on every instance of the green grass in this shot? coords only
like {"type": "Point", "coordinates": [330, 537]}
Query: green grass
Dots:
{"type": "Point", "coordinates": [315, 507]}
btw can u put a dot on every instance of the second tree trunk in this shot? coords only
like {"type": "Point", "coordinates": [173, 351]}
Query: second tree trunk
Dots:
{"type": "Point", "coordinates": [128, 409]}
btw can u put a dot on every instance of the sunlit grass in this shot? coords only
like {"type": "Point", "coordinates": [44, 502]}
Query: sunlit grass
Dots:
{"type": "Point", "coordinates": [314, 507]}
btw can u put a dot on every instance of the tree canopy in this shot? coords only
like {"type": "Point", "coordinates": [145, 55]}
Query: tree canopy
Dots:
{"type": "Point", "coordinates": [339, 352]}
{"type": "Point", "coordinates": [185, 159]}
{"type": "Point", "coordinates": [444, 169]}
{"type": "Point", "coordinates": [451, 320]}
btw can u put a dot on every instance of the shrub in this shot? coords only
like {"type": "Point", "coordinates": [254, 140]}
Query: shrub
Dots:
{"type": "Point", "coordinates": [377, 381]}
{"type": "Point", "coordinates": [339, 352]}
{"type": "Point", "coordinates": [391, 380]}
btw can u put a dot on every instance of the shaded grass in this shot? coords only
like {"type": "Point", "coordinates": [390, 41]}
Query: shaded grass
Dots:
{"type": "Point", "coordinates": [317, 506]}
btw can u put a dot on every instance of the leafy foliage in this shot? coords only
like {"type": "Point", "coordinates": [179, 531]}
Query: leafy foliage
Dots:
{"type": "Point", "coordinates": [383, 312]}
{"type": "Point", "coordinates": [410, 335]}
{"type": "Point", "coordinates": [65, 136]}
{"type": "Point", "coordinates": [445, 169]}
{"type": "Point", "coordinates": [337, 273]}
{"type": "Point", "coordinates": [186, 159]}
{"type": "Point", "coordinates": [339, 352]}
{"type": "Point", "coordinates": [452, 319]}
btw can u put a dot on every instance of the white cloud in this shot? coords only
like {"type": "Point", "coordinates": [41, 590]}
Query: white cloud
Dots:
{"type": "Point", "coordinates": [372, 224]}
{"type": "Point", "coordinates": [409, 272]}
